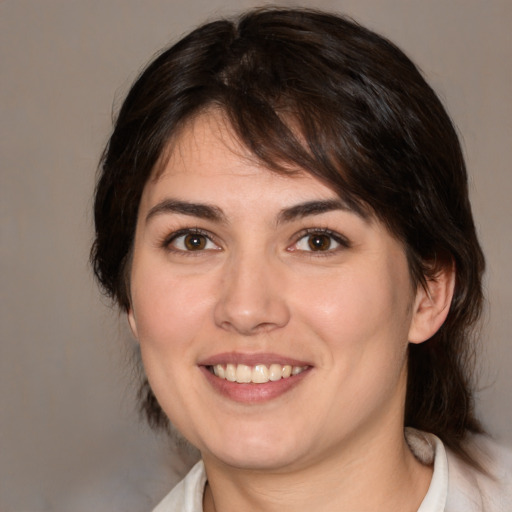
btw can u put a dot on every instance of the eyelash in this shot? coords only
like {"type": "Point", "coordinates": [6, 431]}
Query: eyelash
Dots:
{"type": "Point", "coordinates": [168, 241]}
{"type": "Point", "coordinates": [343, 243]}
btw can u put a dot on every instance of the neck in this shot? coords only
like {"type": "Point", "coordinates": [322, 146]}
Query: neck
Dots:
{"type": "Point", "coordinates": [379, 473]}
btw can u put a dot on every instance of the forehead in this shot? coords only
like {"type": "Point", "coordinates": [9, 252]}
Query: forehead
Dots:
{"type": "Point", "coordinates": [202, 142]}
{"type": "Point", "coordinates": [207, 159]}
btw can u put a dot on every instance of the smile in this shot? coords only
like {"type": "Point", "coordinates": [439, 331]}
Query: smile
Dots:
{"type": "Point", "coordinates": [257, 374]}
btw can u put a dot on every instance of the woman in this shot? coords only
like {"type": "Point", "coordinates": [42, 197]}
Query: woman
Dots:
{"type": "Point", "coordinates": [283, 214]}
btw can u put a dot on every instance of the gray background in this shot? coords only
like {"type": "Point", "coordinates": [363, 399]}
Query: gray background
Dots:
{"type": "Point", "coordinates": [69, 437]}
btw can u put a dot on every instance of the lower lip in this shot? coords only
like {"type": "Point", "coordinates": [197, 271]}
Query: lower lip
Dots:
{"type": "Point", "coordinates": [251, 392]}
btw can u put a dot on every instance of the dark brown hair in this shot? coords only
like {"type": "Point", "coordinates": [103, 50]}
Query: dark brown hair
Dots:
{"type": "Point", "coordinates": [317, 91]}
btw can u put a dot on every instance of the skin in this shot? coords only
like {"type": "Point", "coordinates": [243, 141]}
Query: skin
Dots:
{"type": "Point", "coordinates": [334, 439]}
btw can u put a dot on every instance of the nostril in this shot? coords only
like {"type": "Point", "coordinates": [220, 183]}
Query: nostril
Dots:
{"type": "Point", "coordinates": [248, 328]}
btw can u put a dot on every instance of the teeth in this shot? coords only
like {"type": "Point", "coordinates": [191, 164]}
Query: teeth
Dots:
{"type": "Point", "coordinates": [296, 370]}
{"type": "Point", "coordinates": [258, 374]}
{"type": "Point", "coordinates": [220, 371]}
{"type": "Point", "coordinates": [243, 373]}
{"type": "Point", "coordinates": [275, 372]}
{"type": "Point", "coordinates": [231, 372]}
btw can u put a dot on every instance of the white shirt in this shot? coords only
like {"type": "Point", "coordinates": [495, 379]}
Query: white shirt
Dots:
{"type": "Point", "coordinates": [455, 486]}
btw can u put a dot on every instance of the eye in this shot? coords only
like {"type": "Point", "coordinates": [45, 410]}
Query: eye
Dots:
{"type": "Point", "coordinates": [191, 241]}
{"type": "Point", "coordinates": [320, 241]}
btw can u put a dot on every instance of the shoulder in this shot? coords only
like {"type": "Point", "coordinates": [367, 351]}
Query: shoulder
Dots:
{"type": "Point", "coordinates": [187, 496]}
{"type": "Point", "coordinates": [457, 486]}
{"type": "Point", "coordinates": [472, 490]}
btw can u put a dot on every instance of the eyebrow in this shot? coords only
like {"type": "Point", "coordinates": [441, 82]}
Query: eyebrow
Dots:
{"type": "Point", "coordinates": [214, 213]}
{"type": "Point", "coordinates": [200, 210]}
{"type": "Point", "coordinates": [316, 208]}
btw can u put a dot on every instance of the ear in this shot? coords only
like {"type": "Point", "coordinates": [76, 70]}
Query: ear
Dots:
{"type": "Point", "coordinates": [432, 304]}
{"type": "Point", "coordinates": [133, 323]}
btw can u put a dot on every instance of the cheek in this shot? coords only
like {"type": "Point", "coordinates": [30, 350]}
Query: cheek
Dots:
{"type": "Point", "coordinates": [169, 310]}
{"type": "Point", "coordinates": [171, 314]}
{"type": "Point", "coordinates": [363, 317]}
{"type": "Point", "coordinates": [351, 301]}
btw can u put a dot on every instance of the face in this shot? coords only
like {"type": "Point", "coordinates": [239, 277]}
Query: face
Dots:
{"type": "Point", "coordinates": [273, 321]}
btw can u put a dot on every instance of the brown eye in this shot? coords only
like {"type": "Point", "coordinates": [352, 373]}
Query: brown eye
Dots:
{"type": "Point", "coordinates": [319, 242]}
{"type": "Point", "coordinates": [191, 241]}
{"type": "Point", "coordinates": [194, 242]}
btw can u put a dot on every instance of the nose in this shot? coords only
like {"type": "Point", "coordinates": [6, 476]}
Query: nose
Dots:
{"type": "Point", "coordinates": [252, 297]}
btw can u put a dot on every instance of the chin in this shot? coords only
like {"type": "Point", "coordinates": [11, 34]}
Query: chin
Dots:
{"type": "Point", "coordinates": [259, 451]}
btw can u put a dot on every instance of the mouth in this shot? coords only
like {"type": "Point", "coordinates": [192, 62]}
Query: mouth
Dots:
{"type": "Point", "coordinates": [255, 374]}
{"type": "Point", "coordinates": [253, 378]}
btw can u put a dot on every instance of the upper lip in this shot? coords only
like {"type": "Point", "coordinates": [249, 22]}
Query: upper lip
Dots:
{"type": "Point", "coordinates": [266, 358]}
